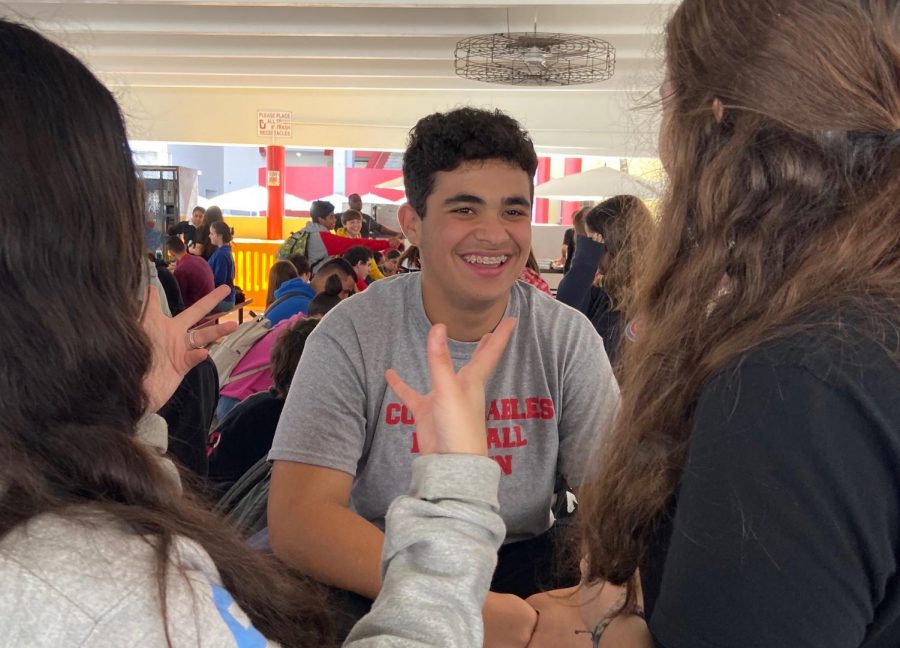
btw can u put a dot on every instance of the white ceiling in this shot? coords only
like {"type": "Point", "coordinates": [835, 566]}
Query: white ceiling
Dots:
{"type": "Point", "coordinates": [396, 57]}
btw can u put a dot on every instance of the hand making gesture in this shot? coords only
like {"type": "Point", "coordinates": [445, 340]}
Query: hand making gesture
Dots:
{"type": "Point", "coordinates": [451, 418]}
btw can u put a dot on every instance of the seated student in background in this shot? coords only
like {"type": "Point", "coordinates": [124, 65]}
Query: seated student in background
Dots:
{"type": "Point", "coordinates": [187, 230]}
{"type": "Point", "coordinates": [202, 245]}
{"type": "Point", "coordinates": [252, 373]}
{"type": "Point", "coordinates": [174, 301]}
{"type": "Point", "coordinates": [221, 262]}
{"type": "Point", "coordinates": [321, 221]}
{"type": "Point", "coordinates": [327, 299]}
{"type": "Point", "coordinates": [245, 435]}
{"type": "Point", "coordinates": [345, 443]}
{"type": "Point", "coordinates": [280, 272]}
{"type": "Point", "coordinates": [193, 274]}
{"type": "Point", "coordinates": [301, 264]}
{"type": "Point", "coordinates": [352, 224]}
{"type": "Point", "coordinates": [360, 259]}
{"type": "Point", "coordinates": [390, 265]}
{"type": "Point", "coordinates": [608, 237]}
{"type": "Point", "coordinates": [409, 260]}
{"type": "Point", "coordinates": [343, 270]}
{"type": "Point", "coordinates": [291, 296]}
{"type": "Point", "coordinates": [322, 244]}
{"type": "Point", "coordinates": [370, 227]}
{"type": "Point", "coordinates": [531, 274]}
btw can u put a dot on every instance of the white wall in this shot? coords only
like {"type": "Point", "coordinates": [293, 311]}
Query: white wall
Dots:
{"type": "Point", "coordinates": [208, 159]}
{"type": "Point", "coordinates": [565, 123]}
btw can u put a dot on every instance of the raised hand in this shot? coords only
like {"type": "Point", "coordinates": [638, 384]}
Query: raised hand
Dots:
{"type": "Point", "coordinates": [173, 353]}
{"type": "Point", "coordinates": [450, 419]}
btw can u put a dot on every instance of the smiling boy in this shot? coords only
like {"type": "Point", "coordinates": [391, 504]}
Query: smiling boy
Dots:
{"type": "Point", "coordinates": [345, 442]}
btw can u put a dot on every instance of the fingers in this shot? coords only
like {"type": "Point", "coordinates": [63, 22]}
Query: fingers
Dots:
{"type": "Point", "coordinates": [440, 366]}
{"type": "Point", "coordinates": [209, 334]}
{"type": "Point", "coordinates": [490, 350]}
{"type": "Point", "coordinates": [193, 314]}
{"type": "Point", "coordinates": [407, 394]}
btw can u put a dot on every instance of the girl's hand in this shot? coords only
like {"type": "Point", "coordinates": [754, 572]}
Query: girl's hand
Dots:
{"type": "Point", "coordinates": [173, 354]}
{"type": "Point", "coordinates": [451, 418]}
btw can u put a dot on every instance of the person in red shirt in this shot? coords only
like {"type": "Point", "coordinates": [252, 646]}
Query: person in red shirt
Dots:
{"type": "Point", "coordinates": [193, 274]}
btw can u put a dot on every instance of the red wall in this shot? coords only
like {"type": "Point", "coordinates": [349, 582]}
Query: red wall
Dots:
{"type": "Point", "coordinates": [311, 183]}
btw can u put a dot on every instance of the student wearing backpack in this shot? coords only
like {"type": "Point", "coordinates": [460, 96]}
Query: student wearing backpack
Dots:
{"type": "Point", "coordinates": [245, 435]}
{"type": "Point", "coordinates": [321, 219]}
{"type": "Point", "coordinates": [291, 297]}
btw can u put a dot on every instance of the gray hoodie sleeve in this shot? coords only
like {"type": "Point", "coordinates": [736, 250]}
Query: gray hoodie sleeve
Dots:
{"type": "Point", "coordinates": [315, 248]}
{"type": "Point", "coordinates": [439, 555]}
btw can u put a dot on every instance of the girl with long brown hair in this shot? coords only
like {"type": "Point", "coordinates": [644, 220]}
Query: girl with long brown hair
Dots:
{"type": "Point", "coordinates": [608, 237]}
{"type": "Point", "coordinates": [750, 491]}
{"type": "Point", "coordinates": [100, 542]}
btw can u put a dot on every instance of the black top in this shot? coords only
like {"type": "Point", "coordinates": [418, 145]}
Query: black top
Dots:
{"type": "Point", "coordinates": [189, 414]}
{"type": "Point", "coordinates": [569, 242]}
{"type": "Point", "coordinates": [371, 228]}
{"type": "Point", "coordinates": [170, 287]}
{"type": "Point", "coordinates": [786, 530]}
{"type": "Point", "coordinates": [244, 437]}
{"type": "Point", "coordinates": [577, 290]}
{"type": "Point", "coordinates": [186, 230]}
{"type": "Point", "coordinates": [606, 321]}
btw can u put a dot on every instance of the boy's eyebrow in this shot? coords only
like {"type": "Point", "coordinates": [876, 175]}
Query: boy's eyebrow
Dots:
{"type": "Point", "coordinates": [465, 198]}
{"type": "Point", "coordinates": [521, 201]}
{"type": "Point", "coordinates": [471, 198]}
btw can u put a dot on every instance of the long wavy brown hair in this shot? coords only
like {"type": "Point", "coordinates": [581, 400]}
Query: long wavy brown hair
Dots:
{"type": "Point", "coordinates": [74, 353]}
{"type": "Point", "coordinates": [780, 136]}
{"type": "Point", "coordinates": [625, 222]}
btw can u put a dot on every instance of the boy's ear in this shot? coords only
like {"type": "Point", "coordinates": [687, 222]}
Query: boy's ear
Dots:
{"type": "Point", "coordinates": [410, 222]}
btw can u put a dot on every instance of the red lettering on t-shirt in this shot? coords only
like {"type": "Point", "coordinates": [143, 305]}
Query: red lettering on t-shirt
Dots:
{"type": "Point", "coordinates": [512, 437]}
{"type": "Point", "coordinates": [392, 415]}
{"type": "Point", "coordinates": [505, 462]}
{"type": "Point", "coordinates": [493, 439]}
{"type": "Point", "coordinates": [494, 411]}
{"type": "Point", "coordinates": [415, 444]}
{"type": "Point", "coordinates": [508, 405]}
{"type": "Point", "coordinates": [532, 408]}
{"type": "Point", "coordinates": [406, 416]}
{"type": "Point", "coordinates": [520, 441]}
{"type": "Point", "coordinates": [547, 412]}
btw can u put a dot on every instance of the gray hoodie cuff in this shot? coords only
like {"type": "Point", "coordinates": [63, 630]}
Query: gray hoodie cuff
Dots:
{"type": "Point", "coordinates": [464, 477]}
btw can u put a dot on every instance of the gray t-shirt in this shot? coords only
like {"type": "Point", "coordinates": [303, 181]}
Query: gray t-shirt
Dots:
{"type": "Point", "coordinates": [550, 398]}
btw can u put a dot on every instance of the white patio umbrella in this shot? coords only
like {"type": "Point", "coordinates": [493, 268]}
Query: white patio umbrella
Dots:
{"type": "Point", "coordinates": [335, 199]}
{"type": "Point", "coordinates": [374, 199]}
{"type": "Point", "coordinates": [603, 182]}
{"type": "Point", "coordinates": [255, 199]}
{"type": "Point", "coordinates": [396, 183]}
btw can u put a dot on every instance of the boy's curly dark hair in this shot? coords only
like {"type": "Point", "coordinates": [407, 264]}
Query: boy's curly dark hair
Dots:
{"type": "Point", "coordinates": [443, 141]}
